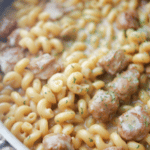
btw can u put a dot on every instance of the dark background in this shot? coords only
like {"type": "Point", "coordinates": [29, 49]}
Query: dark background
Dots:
{"type": "Point", "coordinates": [4, 5]}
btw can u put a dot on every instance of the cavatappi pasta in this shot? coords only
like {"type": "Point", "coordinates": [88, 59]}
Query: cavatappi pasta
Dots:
{"type": "Point", "coordinates": [75, 74]}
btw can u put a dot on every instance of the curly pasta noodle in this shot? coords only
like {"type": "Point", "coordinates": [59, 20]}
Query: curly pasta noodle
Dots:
{"type": "Point", "coordinates": [52, 28]}
{"type": "Point", "coordinates": [44, 109]}
{"type": "Point", "coordinates": [33, 137]}
{"type": "Point", "coordinates": [17, 131]}
{"type": "Point", "coordinates": [5, 98]}
{"type": "Point", "coordinates": [83, 135]}
{"type": "Point", "coordinates": [74, 81]}
{"type": "Point", "coordinates": [91, 15]}
{"type": "Point", "coordinates": [21, 65]}
{"type": "Point", "coordinates": [133, 145]}
{"type": "Point", "coordinates": [24, 113]}
{"type": "Point", "coordinates": [57, 45]}
{"type": "Point", "coordinates": [44, 43]}
{"type": "Point", "coordinates": [33, 95]}
{"type": "Point", "coordinates": [30, 18]}
{"type": "Point", "coordinates": [64, 116]}
{"type": "Point", "coordinates": [29, 43]}
{"type": "Point", "coordinates": [57, 81]}
{"type": "Point", "coordinates": [24, 33]}
{"type": "Point", "coordinates": [5, 107]}
{"type": "Point", "coordinates": [37, 85]}
{"type": "Point", "coordinates": [11, 112]}
{"type": "Point", "coordinates": [47, 93]}
{"type": "Point", "coordinates": [16, 97]}
{"type": "Point", "coordinates": [75, 57]}
{"type": "Point", "coordinates": [27, 79]}
{"type": "Point", "coordinates": [12, 78]}
{"type": "Point", "coordinates": [117, 140]}
{"type": "Point", "coordinates": [66, 102]}
{"type": "Point", "coordinates": [9, 122]}
{"type": "Point", "coordinates": [37, 31]}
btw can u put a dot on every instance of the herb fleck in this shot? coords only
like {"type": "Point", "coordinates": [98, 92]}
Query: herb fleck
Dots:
{"type": "Point", "coordinates": [28, 137]}
{"type": "Point", "coordinates": [87, 89]}
{"type": "Point", "coordinates": [105, 104]}
{"type": "Point", "coordinates": [74, 79]}
{"type": "Point", "coordinates": [130, 126]}
{"type": "Point", "coordinates": [24, 102]}
{"type": "Point", "coordinates": [81, 110]}
{"type": "Point", "coordinates": [146, 123]}
{"type": "Point", "coordinates": [90, 140]}
{"type": "Point", "coordinates": [56, 54]}
{"type": "Point", "coordinates": [72, 66]}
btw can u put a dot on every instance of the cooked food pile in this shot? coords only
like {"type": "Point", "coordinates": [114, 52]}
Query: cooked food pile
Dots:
{"type": "Point", "coordinates": [75, 74]}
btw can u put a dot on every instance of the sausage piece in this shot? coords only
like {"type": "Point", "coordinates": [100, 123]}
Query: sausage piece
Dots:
{"type": "Point", "coordinates": [146, 30]}
{"type": "Point", "coordinates": [9, 57]}
{"type": "Point", "coordinates": [55, 10]}
{"type": "Point", "coordinates": [144, 2]}
{"type": "Point", "coordinates": [115, 61]}
{"type": "Point", "coordinates": [134, 124]}
{"type": "Point", "coordinates": [14, 38]}
{"type": "Point", "coordinates": [57, 141]}
{"type": "Point", "coordinates": [44, 66]}
{"type": "Point", "coordinates": [114, 148]}
{"type": "Point", "coordinates": [6, 27]}
{"type": "Point", "coordinates": [69, 33]}
{"type": "Point", "coordinates": [125, 84]}
{"type": "Point", "coordinates": [3, 46]}
{"type": "Point", "coordinates": [128, 19]}
{"type": "Point", "coordinates": [103, 105]}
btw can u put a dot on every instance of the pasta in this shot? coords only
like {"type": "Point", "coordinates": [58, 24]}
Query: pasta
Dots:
{"type": "Point", "coordinates": [75, 74]}
{"type": "Point", "coordinates": [44, 110]}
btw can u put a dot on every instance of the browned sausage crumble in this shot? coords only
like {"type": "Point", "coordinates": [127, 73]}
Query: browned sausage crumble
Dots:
{"type": "Point", "coordinates": [114, 62]}
{"type": "Point", "coordinates": [9, 57]}
{"type": "Point", "coordinates": [128, 19]}
{"type": "Point", "coordinates": [57, 141]}
{"type": "Point", "coordinates": [6, 27]}
{"type": "Point", "coordinates": [103, 105]}
{"type": "Point", "coordinates": [134, 124]}
{"type": "Point", "coordinates": [125, 84]}
{"type": "Point", "coordinates": [44, 66]}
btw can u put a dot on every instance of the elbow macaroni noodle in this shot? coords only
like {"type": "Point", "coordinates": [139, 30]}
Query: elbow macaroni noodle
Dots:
{"type": "Point", "coordinates": [44, 109]}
